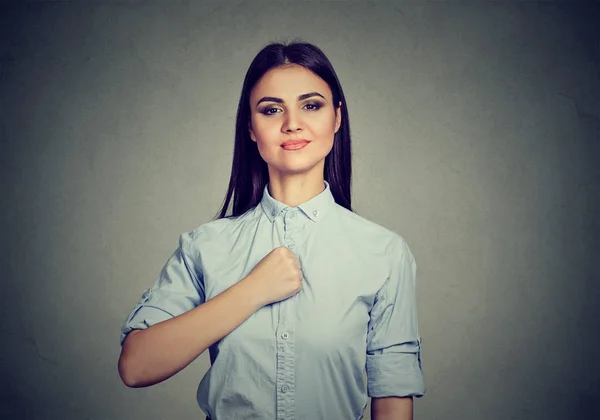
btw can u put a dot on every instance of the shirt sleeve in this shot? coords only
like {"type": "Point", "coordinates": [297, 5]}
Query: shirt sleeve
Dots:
{"type": "Point", "coordinates": [178, 288]}
{"type": "Point", "coordinates": [393, 343]}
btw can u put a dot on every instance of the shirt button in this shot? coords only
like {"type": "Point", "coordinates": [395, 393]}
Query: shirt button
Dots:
{"type": "Point", "coordinates": [284, 388]}
{"type": "Point", "coordinates": [291, 246]}
{"type": "Point", "coordinates": [292, 215]}
{"type": "Point", "coordinates": [285, 335]}
{"type": "Point", "coordinates": [316, 212]}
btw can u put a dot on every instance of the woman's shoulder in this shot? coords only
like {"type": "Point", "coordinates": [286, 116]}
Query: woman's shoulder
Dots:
{"type": "Point", "coordinates": [363, 226]}
{"type": "Point", "coordinates": [217, 229]}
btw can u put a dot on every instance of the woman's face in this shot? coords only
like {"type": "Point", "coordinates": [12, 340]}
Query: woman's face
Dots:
{"type": "Point", "coordinates": [292, 103]}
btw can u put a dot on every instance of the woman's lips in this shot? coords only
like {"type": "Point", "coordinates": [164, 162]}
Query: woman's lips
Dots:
{"type": "Point", "coordinates": [295, 146]}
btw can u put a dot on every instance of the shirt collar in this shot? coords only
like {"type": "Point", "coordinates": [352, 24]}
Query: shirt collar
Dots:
{"type": "Point", "coordinates": [314, 209]}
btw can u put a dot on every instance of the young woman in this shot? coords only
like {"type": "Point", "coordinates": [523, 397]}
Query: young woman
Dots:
{"type": "Point", "coordinates": [294, 294]}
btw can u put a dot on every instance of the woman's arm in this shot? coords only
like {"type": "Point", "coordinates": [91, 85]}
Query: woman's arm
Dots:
{"type": "Point", "coordinates": [392, 408]}
{"type": "Point", "coordinates": [158, 352]}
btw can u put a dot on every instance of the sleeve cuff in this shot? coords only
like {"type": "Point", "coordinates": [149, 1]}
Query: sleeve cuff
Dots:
{"type": "Point", "coordinates": [142, 318]}
{"type": "Point", "coordinates": [394, 374]}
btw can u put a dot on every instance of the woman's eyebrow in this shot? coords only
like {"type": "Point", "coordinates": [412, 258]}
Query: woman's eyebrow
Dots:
{"type": "Point", "coordinates": [280, 101]}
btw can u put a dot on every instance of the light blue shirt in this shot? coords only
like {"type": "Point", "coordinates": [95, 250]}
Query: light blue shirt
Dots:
{"type": "Point", "coordinates": [301, 358]}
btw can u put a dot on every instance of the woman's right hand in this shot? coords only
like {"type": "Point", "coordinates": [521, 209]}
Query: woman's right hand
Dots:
{"type": "Point", "coordinates": [277, 276]}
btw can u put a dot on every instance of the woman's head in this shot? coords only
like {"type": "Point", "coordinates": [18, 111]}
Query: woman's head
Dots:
{"type": "Point", "coordinates": [291, 103]}
{"type": "Point", "coordinates": [274, 107]}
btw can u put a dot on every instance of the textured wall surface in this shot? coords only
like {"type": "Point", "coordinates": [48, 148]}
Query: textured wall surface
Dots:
{"type": "Point", "coordinates": [475, 136]}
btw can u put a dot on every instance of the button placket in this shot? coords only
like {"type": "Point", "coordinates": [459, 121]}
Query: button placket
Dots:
{"type": "Point", "coordinates": [285, 377]}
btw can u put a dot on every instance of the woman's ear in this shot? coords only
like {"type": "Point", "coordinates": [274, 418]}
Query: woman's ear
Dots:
{"type": "Point", "coordinates": [338, 117]}
{"type": "Point", "coordinates": [252, 136]}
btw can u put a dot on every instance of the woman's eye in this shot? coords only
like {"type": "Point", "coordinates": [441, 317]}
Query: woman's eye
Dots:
{"type": "Point", "coordinates": [270, 111]}
{"type": "Point", "coordinates": [313, 106]}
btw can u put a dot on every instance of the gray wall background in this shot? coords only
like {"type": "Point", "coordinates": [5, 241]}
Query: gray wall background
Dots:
{"type": "Point", "coordinates": [475, 136]}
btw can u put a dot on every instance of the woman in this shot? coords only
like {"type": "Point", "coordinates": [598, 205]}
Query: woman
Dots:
{"type": "Point", "coordinates": [294, 294]}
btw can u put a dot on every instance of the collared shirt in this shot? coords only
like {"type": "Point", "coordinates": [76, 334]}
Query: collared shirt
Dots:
{"type": "Point", "coordinates": [301, 358]}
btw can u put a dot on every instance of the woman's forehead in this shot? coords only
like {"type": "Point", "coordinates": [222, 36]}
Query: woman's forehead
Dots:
{"type": "Point", "coordinates": [289, 82]}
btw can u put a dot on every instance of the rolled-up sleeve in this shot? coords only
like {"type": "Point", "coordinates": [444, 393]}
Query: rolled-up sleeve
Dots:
{"type": "Point", "coordinates": [178, 288]}
{"type": "Point", "coordinates": [393, 343]}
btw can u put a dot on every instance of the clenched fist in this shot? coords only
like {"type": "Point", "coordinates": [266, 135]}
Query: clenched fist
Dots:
{"type": "Point", "coordinates": [277, 276]}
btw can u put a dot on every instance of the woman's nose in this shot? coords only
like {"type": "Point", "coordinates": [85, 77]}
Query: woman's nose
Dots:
{"type": "Point", "coordinates": [292, 123]}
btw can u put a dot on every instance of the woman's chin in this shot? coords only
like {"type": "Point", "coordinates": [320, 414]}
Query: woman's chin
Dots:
{"type": "Point", "coordinates": [295, 168]}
